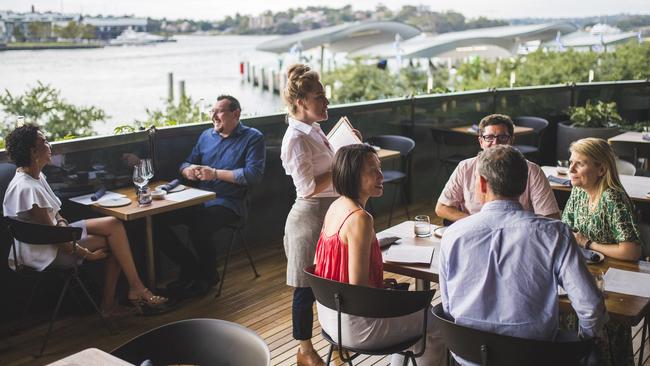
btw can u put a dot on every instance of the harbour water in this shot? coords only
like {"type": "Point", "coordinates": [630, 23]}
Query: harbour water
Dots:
{"type": "Point", "coordinates": [125, 81]}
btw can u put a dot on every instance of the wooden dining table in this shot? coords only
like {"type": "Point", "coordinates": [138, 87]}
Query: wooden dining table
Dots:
{"type": "Point", "coordinates": [624, 308]}
{"type": "Point", "coordinates": [386, 154]}
{"type": "Point", "coordinates": [638, 188]}
{"type": "Point", "coordinates": [134, 212]}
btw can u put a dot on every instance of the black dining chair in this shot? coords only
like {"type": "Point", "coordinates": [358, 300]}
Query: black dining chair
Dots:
{"type": "Point", "coordinates": [237, 230]}
{"type": "Point", "coordinates": [452, 147]}
{"type": "Point", "coordinates": [36, 234]}
{"type": "Point", "coordinates": [485, 348]}
{"type": "Point", "coordinates": [399, 178]}
{"type": "Point", "coordinates": [370, 302]}
{"type": "Point", "coordinates": [538, 125]}
{"type": "Point", "coordinates": [197, 342]}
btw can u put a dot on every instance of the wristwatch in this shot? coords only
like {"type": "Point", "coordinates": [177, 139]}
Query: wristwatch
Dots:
{"type": "Point", "coordinates": [588, 244]}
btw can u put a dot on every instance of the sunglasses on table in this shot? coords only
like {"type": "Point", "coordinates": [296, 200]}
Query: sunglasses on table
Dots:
{"type": "Point", "coordinates": [500, 138]}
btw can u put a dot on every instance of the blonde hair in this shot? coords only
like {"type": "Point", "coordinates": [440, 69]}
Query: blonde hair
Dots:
{"type": "Point", "coordinates": [301, 80]}
{"type": "Point", "coordinates": [602, 154]}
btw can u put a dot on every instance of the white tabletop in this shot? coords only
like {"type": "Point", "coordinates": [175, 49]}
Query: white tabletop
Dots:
{"type": "Point", "coordinates": [636, 187]}
{"type": "Point", "coordinates": [634, 137]}
{"type": "Point", "coordinates": [405, 230]}
{"type": "Point", "coordinates": [91, 357]}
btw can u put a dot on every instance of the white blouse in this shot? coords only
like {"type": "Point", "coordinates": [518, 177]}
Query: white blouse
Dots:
{"type": "Point", "coordinates": [23, 193]}
{"type": "Point", "coordinates": [305, 155]}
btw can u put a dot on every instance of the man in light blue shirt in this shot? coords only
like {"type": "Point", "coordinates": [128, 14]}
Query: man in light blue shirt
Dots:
{"type": "Point", "coordinates": [500, 268]}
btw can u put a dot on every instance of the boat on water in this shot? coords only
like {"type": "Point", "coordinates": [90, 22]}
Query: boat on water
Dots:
{"type": "Point", "coordinates": [129, 37]}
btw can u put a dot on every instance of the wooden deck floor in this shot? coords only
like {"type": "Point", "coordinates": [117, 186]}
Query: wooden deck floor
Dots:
{"type": "Point", "coordinates": [262, 304]}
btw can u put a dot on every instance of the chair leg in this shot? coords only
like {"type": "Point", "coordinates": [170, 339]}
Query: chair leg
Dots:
{"type": "Point", "coordinates": [92, 302]}
{"type": "Point", "coordinates": [405, 202]}
{"type": "Point", "coordinates": [225, 264]}
{"type": "Point", "coordinates": [248, 254]}
{"type": "Point", "coordinates": [392, 206]}
{"type": "Point", "coordinates": [329, 355]}
{"type": "Point", "coordinates": [56, 312]}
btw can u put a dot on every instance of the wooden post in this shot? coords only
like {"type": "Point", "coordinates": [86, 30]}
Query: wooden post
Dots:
{"type": "Point", "coordinates": [181, 90]}
{"type": "Point", "coordinates": [322, 56]}
{"type": "Point", "coordinates": [170, 87]}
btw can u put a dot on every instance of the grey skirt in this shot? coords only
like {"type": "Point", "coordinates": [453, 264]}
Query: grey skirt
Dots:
{"type": "Point", "coordinates": [301, 233]}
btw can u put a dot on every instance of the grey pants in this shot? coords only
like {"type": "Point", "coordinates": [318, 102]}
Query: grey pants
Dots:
{"type": "Point", "coordinates": [301, 233]}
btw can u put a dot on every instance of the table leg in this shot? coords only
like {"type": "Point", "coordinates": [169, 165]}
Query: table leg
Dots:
{"type": "Point", "coordinates": [643, 338]}
{"type": "Point", "coordinates": [151, 261]}
{"type": "Point", "coordinates": [421, 285]}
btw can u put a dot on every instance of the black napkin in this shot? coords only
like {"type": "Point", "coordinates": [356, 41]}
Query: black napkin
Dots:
{"type": "Point", "coordinates": [474, 128]}
{"type": "Point", "coordinates": [562, 181]}
{"type": "Point", "coordinates": [171, 185]}
{"type": "Point", "coordinates": [97, 195]}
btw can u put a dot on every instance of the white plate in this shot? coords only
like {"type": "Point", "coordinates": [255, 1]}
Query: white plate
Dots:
{"type": "Point", "coordinates": [588, 254]}
{"type": "Point", "coordinates": [178, 188]}
{"type": "Point", "coordinates": [439, 231]}
{"type": "Point", "coordinates": [115, 202]}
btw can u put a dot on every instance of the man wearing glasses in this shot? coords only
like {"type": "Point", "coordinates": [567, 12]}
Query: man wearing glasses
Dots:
{"type": "Point", "coordinates": [227, 158]}
{"type": "Point", "coordinates": [460, 197]}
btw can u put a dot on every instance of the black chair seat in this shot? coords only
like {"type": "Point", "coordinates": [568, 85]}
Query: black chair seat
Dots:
{"type": "Point", "coordinates": [526, 149]}
{"type": "Point", "coordinates": [396, 348]}
{"type": "Point", "coordinates": [393, 176]}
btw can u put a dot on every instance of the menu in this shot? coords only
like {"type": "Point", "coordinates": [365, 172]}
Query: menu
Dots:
{"type": "Point", "coordinates": [342, 135]}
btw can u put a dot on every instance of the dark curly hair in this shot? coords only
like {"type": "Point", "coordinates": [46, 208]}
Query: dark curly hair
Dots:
{"type": "Point", "coordinates": [20, 142]}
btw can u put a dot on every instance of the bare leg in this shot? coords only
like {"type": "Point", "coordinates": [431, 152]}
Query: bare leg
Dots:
{"type": "Point", "coordinates": [114, 235]}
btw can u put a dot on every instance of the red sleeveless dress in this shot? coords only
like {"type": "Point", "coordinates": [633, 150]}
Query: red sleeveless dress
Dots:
{"type": "Point", "coordinates": [332, 258]}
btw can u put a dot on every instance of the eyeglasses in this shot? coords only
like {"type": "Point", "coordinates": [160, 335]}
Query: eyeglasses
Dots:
{"type": "Point", "coordinates": [500, 138]}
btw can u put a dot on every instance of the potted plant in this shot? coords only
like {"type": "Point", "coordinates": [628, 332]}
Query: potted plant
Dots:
{"type": "Point", "coordinates": [593, 120]}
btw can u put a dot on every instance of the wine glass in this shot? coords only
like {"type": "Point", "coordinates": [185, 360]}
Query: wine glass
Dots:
{"type": "Point", "coordinates": [140, 178]}
{"type": "Point", "coordinates": [148, 168]}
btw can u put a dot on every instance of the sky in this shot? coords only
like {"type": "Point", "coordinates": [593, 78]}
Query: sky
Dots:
{"type": "Point", "coordinates": [219, 9]}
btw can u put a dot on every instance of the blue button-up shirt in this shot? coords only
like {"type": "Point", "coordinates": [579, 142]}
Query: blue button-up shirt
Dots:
{"type": "Point", "coordinates": [243, 152]}
{"type": "Point", "coordinates": [500, 270]}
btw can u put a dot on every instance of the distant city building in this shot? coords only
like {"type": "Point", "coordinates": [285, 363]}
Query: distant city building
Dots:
{"type": "Point", "coordinates": [317, 17]}
{"type": "Point", "coordinates": [16, 26]}
{"type": "Point", "coordinates": [261, 22]}
{"type": "Point", "coordinates": [109, 28]}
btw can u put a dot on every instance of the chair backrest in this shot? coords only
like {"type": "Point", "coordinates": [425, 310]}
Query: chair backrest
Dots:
{"type": "Point", "coordinates": [644, 230]}
{"type": "Point", "coordinates": [485, 348]}
{"type": "Point", "coordinates": [402, 144]}
{"type": "Point", "coordinates": [443, 136]}
{"type": "Point", "coordinates": [7, 172]}
{"type": "Point", "coordinates": [197, 342]}
{"type": "Point", "coordinates": [366, 301]}
{"type": "Point", "coordinates": [41, 234]}
{"type": "Point", "coordinates": [625, 167]}
{"type": "Point", "coordinates": [538, 124]}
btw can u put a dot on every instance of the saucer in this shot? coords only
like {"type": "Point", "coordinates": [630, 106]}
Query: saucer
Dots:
{"type": "Point", "coordinates": [178, 188]}
{"type": "Point", "coordinates": [439, 231]}
{"type": "Point", "coordinates": [115, 202]}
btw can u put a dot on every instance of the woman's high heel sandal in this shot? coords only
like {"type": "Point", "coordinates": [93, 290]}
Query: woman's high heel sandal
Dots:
{"type": "Point", "coordinates": [147, 303]}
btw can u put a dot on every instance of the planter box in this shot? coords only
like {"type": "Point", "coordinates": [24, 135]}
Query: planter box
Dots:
{"type": "Point", "coordinates": [567, 134]}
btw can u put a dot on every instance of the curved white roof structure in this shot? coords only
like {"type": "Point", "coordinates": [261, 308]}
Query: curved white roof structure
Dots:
{"type": "Point", "coordinates": [588, 40]}
{"type": "Point", "coordinates": [345, 37]}
{"type": "Point", "coordinates": [506, 37]}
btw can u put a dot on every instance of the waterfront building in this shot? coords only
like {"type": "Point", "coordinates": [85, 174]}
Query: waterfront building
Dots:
{"type": "Point", "coordinates": [110, 27]}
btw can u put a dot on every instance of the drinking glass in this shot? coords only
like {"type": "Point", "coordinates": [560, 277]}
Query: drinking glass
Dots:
{"type": "Point", "coordinates": [140, 180]}
{"type": "Point", "coordinates": [562, 167]}
{"type": "Point", "coordinates": [422, 226]}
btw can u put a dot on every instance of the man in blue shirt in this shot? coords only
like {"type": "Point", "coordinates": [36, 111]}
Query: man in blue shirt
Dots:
{"type": "Point", "coordinates": [226, 160]}
{"type": "Point", "coordinates": [500, 268]}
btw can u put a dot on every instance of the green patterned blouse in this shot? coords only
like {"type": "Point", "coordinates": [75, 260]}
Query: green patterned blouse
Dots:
{"type": "Point", "coordinates": [611, 222]}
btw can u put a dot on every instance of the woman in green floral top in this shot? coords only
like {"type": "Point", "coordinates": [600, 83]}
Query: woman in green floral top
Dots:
{"type": "Point", "coordinates": [599, 210]}
{"type": "Point", "coordinates": [602, 216]}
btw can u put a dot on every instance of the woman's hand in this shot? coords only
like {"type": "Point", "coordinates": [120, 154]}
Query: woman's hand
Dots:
{"type": "Point", "coordinates": [357, 133]}
{"type": "Point", "coordinates": [91, 256]}
{"type": "Point", "coordinates": [580, 239]}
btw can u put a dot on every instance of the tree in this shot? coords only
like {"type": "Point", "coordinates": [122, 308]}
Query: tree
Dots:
{"type": "Point", "coordinates": [43, 106]}
{"type": "Point", "coordinates": [70, 31]}
{"type": "Point", "coordinates": [186, 111]}
{"type": "Point", "coordinates": [39, 30]}
{"type": "Point", "coordinates": [88, 32]}
{"type": "Point", "coordinates": [18, 34]}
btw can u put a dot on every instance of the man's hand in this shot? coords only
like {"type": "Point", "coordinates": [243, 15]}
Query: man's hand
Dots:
{"type": "Point", "coordinates": [203, 172]}
{"type": "Point", "coordinates": [189, 173]}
